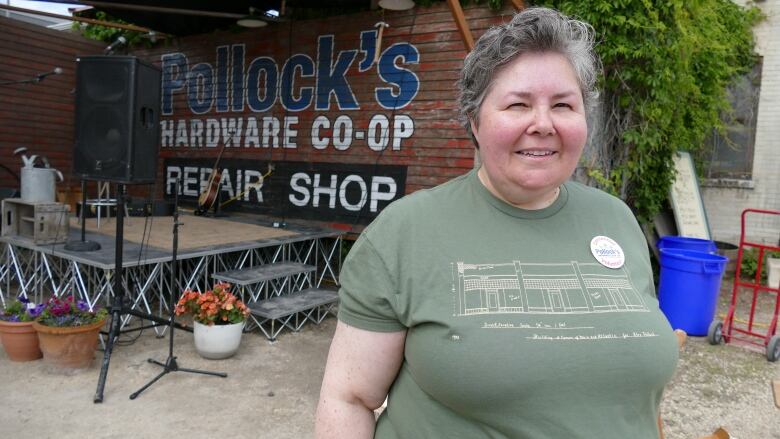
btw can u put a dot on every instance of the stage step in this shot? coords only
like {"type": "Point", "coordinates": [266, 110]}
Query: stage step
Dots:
{"type": "Point", "coordinates": [292, 310]}
{"type": "Point", "coordinates": [262, 273]}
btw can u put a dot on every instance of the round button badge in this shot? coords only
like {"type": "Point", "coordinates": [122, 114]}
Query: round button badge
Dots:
{"type": "Point", "coordinates": [607, 252]}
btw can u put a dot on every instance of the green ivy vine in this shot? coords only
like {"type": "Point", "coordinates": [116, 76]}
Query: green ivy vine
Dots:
{"type": "Point", "coordinates": [110, 34]}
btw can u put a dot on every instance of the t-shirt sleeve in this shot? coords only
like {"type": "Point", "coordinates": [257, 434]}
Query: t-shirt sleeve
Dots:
{"type": "Point", "coordinates": [368, 294]}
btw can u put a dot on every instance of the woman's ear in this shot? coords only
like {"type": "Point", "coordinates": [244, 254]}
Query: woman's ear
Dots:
{"type": "Point", "coordinates": [473, 132]}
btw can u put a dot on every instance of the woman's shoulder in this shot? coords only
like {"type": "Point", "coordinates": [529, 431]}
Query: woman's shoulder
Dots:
{"type": "Point", "coordinates": [591, 194]}
{"type": "Point", "coordinates": [594, 197]}
{"type": "Point", "coordinates": [427, 198]}
{"type": "Point", "coordinates": [421, 203]}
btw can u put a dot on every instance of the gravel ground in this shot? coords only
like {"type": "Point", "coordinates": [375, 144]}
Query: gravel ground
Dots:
{"type": "Point", "coordinates": [272, 391]}
{"type": "Point", "coordinates": [725, 386]}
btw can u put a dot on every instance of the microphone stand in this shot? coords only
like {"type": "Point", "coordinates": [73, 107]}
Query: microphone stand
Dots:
{"type": "Point", "coordinates": [35, 80]}
{"type": "Point", "coordinates": [170, 364]}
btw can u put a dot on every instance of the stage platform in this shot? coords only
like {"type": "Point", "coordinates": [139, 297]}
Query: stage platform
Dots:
{"type": "Point", "coordinates": [206, 245]}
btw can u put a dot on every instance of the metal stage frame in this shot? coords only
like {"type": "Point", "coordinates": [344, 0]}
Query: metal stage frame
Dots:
{"type": "Point", "coordinates": [37, 271]}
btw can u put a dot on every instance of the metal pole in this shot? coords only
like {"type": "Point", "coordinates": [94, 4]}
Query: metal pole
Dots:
{"type": "Point", "coordinates": [119, 293]}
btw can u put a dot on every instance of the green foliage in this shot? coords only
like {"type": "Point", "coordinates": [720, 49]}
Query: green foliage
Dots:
{"type": "Point", "coordinates": [666, 69]}
{"type": "Point", "coordinates": [749, 264]}
{"type": "Point", "coordinates": [110, 34]}
{"type": "Point", "coordinates": [19, 311]}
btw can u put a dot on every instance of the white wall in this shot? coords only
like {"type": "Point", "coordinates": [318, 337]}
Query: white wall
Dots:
{"type": "Point", "coordinates": [725, 205]}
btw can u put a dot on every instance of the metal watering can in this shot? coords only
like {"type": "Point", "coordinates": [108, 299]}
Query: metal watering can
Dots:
{"type": "Point", "coordinates": [38, 184]}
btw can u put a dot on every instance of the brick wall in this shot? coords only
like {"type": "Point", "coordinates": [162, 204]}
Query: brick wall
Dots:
{"type": "Point", "coordinates": [216, 84]}
{"type": "Point", "coordinates": [38, 116]}
{"type": "Point", "coordinates": [41, 116]}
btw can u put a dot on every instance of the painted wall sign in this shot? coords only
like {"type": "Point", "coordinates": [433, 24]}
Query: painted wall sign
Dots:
{"type": "Point", "coordinates": [274, 132]}
{"type": "Point", "coordinates": [347, 193]}
{"type": "Point", "coordinates": [314, 98]}
{"type": "Point", "coordinates": [234, 84]}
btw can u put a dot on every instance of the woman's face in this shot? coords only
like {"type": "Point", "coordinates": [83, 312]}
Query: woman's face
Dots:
{"type": "Point", "coordinates": [531, 129]}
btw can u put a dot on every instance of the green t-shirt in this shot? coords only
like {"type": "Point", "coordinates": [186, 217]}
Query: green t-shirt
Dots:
{"type": "Point", "coordinates": [515, 329]}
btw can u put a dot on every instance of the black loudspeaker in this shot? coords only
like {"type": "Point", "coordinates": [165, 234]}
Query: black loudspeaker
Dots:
{"type": "Point", "coordinates": [117, 119]}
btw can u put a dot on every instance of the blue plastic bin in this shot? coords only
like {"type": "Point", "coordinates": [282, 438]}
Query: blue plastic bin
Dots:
{"type": "Point", "coordinates": [689, 286]}
{"type": "Point", "coordinates": [685, 243]}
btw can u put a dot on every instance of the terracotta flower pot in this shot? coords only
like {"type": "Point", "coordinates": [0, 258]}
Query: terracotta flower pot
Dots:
{"type": "Point", "coordinates": [20, 341]}
{"type": "Point", "coordinates": [69, 346]}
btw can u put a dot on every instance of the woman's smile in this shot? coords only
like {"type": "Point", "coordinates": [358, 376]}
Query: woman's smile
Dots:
{"type": "Point", "coordinates": [536, 153]}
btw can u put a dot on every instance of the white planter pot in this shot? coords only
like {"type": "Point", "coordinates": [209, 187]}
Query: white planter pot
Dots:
{"type": "Point", "coordinates": [773, 265]}
{"type": "Point", "coordinates": [217, 341]}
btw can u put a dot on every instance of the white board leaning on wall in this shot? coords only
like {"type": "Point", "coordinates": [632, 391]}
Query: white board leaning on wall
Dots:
{"type": "Point", "coordinates": [686, 199]}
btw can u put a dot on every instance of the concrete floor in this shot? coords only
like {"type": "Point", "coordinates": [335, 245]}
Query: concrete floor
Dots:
{"type": "Point", "coordinates": [272, 391]}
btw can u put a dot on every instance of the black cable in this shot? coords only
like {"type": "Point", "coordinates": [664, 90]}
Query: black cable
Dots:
{"type": "Point", "coordinates": [10, 171]}
{"type": "Point", "coordinates": [389, 123]}
{"type": "Point", "coordinates": [283, 215]}
{"type": "Point", "coordinates": [144, 246]}
{"type": "Point", "coordinates": [147, 222]}
{"type": "Point", "coordinates": [145, 236]}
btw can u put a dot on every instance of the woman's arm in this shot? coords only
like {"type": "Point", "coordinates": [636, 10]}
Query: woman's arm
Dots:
{"type": "Point", "coordinates": [361, 367]}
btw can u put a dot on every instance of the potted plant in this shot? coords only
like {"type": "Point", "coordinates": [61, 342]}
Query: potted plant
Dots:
{"type": "Point", "coordinates": [68, 331]}
{"type": "Point", "coordinates": [19, 339]}
{"type": "Point", "coordinates": [218, 319]}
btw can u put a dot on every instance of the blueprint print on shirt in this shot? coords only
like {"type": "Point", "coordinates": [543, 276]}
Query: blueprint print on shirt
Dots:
{"type": "Point", "coordinates": [520, 288]}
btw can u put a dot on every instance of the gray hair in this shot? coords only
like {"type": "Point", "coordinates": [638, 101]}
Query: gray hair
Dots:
{"type": "Point", "coordinates": [532, 30]}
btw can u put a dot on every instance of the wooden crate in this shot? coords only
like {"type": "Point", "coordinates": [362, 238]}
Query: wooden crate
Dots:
{"type": "Point", "coordinates": [44, 223]}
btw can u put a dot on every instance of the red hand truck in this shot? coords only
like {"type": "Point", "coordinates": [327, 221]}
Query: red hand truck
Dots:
{"type": "Point", "coordinates": [742, 330]}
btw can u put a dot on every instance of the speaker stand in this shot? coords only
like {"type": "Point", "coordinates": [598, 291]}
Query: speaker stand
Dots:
{"type": "Point", "coordinates": [83, 245]}
{"type": "Point", "coordinates": [118, 309]}
{"type": "Point", "coordinates": [119, 292]}
{"type": "Point", "coordinates": [170, 364]}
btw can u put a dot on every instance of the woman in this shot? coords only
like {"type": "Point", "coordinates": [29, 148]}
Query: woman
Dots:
{"type": "Point", "coordinates": [508, 302]}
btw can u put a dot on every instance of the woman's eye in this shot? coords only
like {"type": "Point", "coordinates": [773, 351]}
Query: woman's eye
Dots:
{"type": "Point", "coordinates": [562, 105]}
{"type": "Point", "coordinates": [519, 104]}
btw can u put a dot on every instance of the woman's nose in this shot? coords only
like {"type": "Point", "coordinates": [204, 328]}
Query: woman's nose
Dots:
{"type": "Point", "coordinates": [542, 122]}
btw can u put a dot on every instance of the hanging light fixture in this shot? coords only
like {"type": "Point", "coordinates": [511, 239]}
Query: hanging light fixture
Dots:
{"type": "Point", "coordinates": [252, 20]}
{"type": "Point", "coordinates": [396, 5]}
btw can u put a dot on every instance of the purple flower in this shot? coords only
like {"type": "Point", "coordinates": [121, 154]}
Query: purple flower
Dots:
{"type": "Point", "coordinates": [35, 311]}
{"type": "Point", "coordinates": [65, 312]}
{"type": "Point", "coordinates": [24, 299]}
